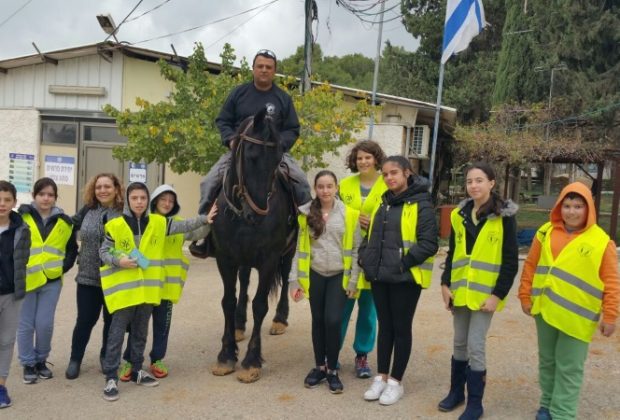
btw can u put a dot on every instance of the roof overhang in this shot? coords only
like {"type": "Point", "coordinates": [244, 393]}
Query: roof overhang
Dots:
{"type": "Point", "coordinates": [105, 49]}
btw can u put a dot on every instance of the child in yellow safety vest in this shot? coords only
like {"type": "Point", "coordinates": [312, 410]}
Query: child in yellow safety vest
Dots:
{"type": "Point", "coordinates": [165, 202]}
{"type": "Point", "coordinates": [362, 191]}
{"type": "Point", "coordinates": [132, 277]}
{"type": "Point", "coordinates": [53, 252]}
{"type": "Point", "coordinates": [325, 270]}
{"type": "Point", "coordinates": [570, 286]}
{"type": "Point", "coordinates": [482, 261]}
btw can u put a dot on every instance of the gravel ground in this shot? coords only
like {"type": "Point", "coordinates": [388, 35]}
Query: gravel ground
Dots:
{"type": "Point", "coordinates": [191, 391]}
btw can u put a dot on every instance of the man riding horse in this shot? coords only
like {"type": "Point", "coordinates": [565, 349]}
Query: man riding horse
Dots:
{"type": "Point", "coordinates": [244, 101]}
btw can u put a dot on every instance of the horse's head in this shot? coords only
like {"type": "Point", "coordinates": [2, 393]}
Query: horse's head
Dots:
{"type": "Point", "coordinates": [257, 154]}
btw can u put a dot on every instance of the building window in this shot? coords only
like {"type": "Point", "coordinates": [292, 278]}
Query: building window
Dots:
{"type": "Point", "coordinates": [107, 134]}
{"type": "Point", "coordinates": [418, 142]}
{"type": "Point", "coordinates": [59, 133]}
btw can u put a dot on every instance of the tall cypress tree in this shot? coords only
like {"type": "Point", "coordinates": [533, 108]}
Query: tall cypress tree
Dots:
{"type": "Point", "coordinates": [519, 62]}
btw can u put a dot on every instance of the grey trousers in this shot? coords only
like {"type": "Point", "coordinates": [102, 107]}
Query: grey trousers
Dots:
{"type": "Point", "coordinates": [9, 318]}
{"type": "Point", "coordinates": [138, 318]}
{"type": "Point", "coordinates": [211, 182]}
{"type": "Point", "coordinates": [470, 336]}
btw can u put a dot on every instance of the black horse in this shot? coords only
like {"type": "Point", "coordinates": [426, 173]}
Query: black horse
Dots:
{"type": "Point", "coordinates": [279, 323]}
{"type": "Point", "coordinates": [254, 224]}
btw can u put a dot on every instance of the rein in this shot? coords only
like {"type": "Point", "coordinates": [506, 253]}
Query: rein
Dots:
{"type": "Point", "coordinates": [239, 189]}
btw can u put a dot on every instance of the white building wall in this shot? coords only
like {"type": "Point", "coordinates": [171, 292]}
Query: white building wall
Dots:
{"type": "Point", "coordinates": [28, 86]}
{"type": "Point", "coordinates": [19, 133]}
{"type": "Point", "coordinates": [389, 136]}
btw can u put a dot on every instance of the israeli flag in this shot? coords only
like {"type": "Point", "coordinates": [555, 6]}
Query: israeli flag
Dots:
{"type": "Point", "coordinates": [464, 20]}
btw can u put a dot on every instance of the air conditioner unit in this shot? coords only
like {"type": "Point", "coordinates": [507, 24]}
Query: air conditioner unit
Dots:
{"type": "Point", "coordinates": [418, 142]}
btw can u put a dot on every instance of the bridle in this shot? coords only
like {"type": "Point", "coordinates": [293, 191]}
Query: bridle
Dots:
{"type": "Point", "coordinates": [240, 190]}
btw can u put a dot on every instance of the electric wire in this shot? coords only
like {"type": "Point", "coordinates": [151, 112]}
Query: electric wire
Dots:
{"type": "Point", "coordinates": [14, 13]}
{"type": "Point", "coordinates": [123, 21]}
{"type": "Point", "coordinates": [148, 11]}
{"type": "Point", "coordinates": [265, 7]}
{"type": "Point", "coordinates": [207, 24]}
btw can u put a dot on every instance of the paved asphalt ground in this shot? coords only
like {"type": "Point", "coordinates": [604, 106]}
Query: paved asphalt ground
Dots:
{"type": "Point", "coordinates": [191, 391]}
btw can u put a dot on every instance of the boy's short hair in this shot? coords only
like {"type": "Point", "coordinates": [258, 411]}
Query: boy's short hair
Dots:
{"type": "Point", "coordinates": [8, 187]}
{"type": "Point", "coordinates": [573, 195]}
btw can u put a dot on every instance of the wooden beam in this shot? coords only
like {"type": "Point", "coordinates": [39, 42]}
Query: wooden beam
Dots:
{"type": "Point", "coordinates": [45, 58]}
{"type": "Point", "coordinates": [3, 70]}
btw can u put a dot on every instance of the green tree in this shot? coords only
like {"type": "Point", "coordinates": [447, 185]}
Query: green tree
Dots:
{"type": "Point", "coordinates": [518, 77]}
{"type": "Point", "coordinates": [182, 131]}
{"type": "Point", "coordinates": [352, 70]}
{"type": "Point", "coordinates": [469, 77]}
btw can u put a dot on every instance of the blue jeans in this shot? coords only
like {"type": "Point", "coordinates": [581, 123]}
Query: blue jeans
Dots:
{"type": "Point", "coordinates": [36, 323]}
{"type": "Point", "coordinates": [366, 325]}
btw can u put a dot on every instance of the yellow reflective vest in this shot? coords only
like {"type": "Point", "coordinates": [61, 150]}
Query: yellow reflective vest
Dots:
{"type": "Point", "coordinates": [176, 265]}
{"type": "Point", "coordinates": [351, 195]}
{"type": "Point", "coordinates": [304, 249]}
{"type": "Point", "coordinates": [125, 287]}
{"type": "Point", "coordinates": [46, 257]}
{"type": "Point", "coordinates": [568, 291]}
{"type": "Point", "coordinates": [473, 277]}
{"type": "Point", "coordinates": [422, 273]}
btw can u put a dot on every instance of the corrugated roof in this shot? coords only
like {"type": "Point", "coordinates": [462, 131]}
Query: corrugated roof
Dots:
{"type": "Point", "coordinates": [426, 109]}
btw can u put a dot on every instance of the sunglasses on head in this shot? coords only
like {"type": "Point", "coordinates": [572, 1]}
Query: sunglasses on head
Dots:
{"type": "Point", "coordinates": [266, 53]}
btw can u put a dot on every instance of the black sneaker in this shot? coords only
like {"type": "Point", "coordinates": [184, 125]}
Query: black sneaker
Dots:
{"type": "Point", "coordinates": [142, 377]}
{"type": "Point", "coordinates": [314, 378]}
{"type": "Point", "coordinates": [335, 386]}
{"type": "Point", "coordinates": [43, 370]}
{"type": "Point", "coordinates": [30, 374]}
{"type": "Point", "coordinates": [110, 392]}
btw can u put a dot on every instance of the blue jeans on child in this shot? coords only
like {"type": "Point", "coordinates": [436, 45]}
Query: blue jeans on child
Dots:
{"type": "Point", "coordinates": [36, 323]}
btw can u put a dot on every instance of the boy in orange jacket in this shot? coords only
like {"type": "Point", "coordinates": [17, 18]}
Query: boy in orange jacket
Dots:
{"type": "Point", "coordinates": [569, 278]}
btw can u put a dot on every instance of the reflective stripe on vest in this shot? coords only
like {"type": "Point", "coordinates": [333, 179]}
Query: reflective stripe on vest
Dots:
{"type": "Point", "coordinates": [125, 287]}
{"type": "Point", "coordinates": [304, 249]}
{"type": "Point", "coordinates": [422, 273]}
{"type": "Point", "coordinates": [473, 277]}
{"type": "Point", "coordinates": [46, 257]}
{"type": "Point", "coordinates": [568, 291]}
{"type": "Point", "coordinates": [176, 265]}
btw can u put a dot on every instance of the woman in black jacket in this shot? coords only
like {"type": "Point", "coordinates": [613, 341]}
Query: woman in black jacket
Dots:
{"type": "Point", "coordinates": [397, 260]}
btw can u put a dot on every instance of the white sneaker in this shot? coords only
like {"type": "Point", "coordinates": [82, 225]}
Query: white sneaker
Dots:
{"type": "Point", "coordinates": [392, 392]}
{"type": "Point", "coordinates": [375, 390]}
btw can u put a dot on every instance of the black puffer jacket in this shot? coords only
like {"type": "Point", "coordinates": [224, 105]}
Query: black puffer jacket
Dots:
{"type": "Point", "coordinates": [382, 257]}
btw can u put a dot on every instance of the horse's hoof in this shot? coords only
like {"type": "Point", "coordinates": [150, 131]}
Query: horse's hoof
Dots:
{"type": "Point", "coordinates": [222, 369]}
{"type": "Point", "coordinates": [277, 328]}
{"type": "Point", "coordinates": [239, 335]}
{"type": "Point", "coordinates": [247, 376]}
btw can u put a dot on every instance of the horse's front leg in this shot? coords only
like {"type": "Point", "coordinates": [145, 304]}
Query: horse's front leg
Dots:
{"type": "Point", "coordinates": [280, 320]}
{"type": "Point", "coordinates": [227, 358]}
{"type": "Point", "coordinates": [252, 363]}
{"type": "Point", "coordinates": [241, 316]}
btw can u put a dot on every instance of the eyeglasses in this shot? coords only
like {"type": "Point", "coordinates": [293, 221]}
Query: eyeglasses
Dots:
{"type": "Point", "coordinates": [266, 53]}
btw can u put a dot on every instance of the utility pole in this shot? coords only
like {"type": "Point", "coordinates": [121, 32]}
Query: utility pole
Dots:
{"type": "Point", "coordinates": [306, 83]}
{"type": "Point", "coordinates": [375, 77]}
{"type": "Point", "coordinates": [548, 166]}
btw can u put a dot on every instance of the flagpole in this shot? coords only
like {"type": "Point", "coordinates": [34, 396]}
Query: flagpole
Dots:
{"type": "Point", "coordinates": [436, 126]}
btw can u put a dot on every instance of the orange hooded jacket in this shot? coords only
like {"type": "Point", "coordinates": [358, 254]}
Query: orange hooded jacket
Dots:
{"type": "Point", "coordinates": [560, 237]}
